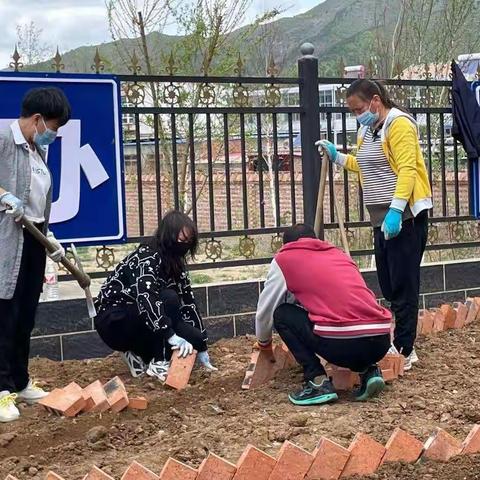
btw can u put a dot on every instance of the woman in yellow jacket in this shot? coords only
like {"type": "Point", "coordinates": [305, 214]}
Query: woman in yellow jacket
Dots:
{"type": "Point", "coordinates": [397, 195]}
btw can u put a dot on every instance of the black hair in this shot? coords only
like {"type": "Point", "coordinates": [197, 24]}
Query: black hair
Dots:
{"type": "Point", "coordinates": [165, 239]}
{"type": "Point", "coordinates": [300, 230]}
{"type": "Point", "coordinates": [50, 102]}
{"type": "Point", "coordinates": [366, 89]}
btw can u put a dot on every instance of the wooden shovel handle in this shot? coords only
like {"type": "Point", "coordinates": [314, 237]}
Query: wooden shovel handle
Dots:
{"type": "Point", "coordinates": [82, 278]}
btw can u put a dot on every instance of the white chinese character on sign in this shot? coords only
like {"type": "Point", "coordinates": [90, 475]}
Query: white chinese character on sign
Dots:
{"type": "Point", "coordinates": [75, 158]}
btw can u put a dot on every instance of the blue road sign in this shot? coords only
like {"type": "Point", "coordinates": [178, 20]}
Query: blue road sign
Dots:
{"type": "Point", "coordinates": [86, 160]}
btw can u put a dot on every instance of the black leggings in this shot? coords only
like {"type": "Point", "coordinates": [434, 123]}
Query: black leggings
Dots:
{"type": "Point", "coordinates": [124, 329]}
{"type": "Point", "coordinates": [296, 330]}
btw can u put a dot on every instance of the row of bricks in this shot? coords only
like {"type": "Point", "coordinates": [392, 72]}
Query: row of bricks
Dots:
{"type": "Point", "coordinates": [448, 317]}
{"type": "Point", "coordinates": [95, 398]}
{"type": "Point", "coordinates": [262, 369]}
{"type": "Point", "coordinates": [98, 398]}
{"type": "Point", "coordinates": [329, 460]}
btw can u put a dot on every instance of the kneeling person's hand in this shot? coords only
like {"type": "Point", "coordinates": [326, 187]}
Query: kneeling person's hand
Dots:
{"type": "Point", "coordinates": [178, 343]}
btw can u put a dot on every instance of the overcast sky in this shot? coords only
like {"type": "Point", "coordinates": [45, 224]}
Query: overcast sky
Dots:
{"type": "Point", "coordinates": [73, 23]}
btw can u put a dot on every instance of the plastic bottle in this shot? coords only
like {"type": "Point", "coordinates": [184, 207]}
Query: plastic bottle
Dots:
{"type": "Point", "coordinates": [51, 281]}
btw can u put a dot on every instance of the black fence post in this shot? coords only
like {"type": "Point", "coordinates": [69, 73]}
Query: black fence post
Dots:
{"type": "Point", "coordinates": [309, 131]}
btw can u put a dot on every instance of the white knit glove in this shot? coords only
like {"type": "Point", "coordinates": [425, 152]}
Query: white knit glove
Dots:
{"type": "Point", "coordinates": [59, 253]}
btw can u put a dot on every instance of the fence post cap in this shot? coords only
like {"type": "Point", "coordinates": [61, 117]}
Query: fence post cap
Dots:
{"type": "Point", "coordinates": [307, 49]}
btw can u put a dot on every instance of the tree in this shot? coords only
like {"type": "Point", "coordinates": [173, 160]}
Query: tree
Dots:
{"type": "Point", "coordinates": [424, 32]}
{"type": "Point", "coordinates": [209, 44]}
{"type": "Point", "coordinates": [30, 45]}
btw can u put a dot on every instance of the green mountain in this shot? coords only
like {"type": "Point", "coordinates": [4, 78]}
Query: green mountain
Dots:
{"type": "Point", "coordinates": [339, 30]}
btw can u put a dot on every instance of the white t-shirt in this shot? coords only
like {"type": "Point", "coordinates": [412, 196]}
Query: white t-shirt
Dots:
{"type": "Point", "coordinates": [39, 187]}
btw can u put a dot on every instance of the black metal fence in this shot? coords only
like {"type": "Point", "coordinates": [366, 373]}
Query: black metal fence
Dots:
{"type": "Point", "coordinates": [237, 153]}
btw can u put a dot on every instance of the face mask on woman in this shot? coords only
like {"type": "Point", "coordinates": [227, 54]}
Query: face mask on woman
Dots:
{"type": "Point", "coordinates": [181, 248]}
{"type": "Point", "coordinates": [45, 138]}
{"type": "Point", "coordinates": [368, 118]}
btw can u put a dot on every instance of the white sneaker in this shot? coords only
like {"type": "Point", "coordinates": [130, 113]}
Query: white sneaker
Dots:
{"type": "Point", "coordinates": [393, 350]}
{"type": "Point", "coordinates": [158, 369]}
{"type": "Point", "coordinates": [135, 363]}
{"type": "Point", "coordinates": [8, 411]}
{"type": "Point", "coordinates": [32, 393]}
{"type": "Point", "coordinates": [413, 356]}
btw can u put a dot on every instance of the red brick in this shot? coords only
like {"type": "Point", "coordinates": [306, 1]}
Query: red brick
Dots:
{"type": "Point", "coordinates": [388, 375]}
{"type": "Point", "coordinates": [393, 361]}
{"type": "Point", "coordinates": [290, 360]}
{"type": "Point", "coordinates": [426, 321]}
{"type": "Point", "coordinates": [138, 403]}
{"type": "Point", "coordinates": [260, 370]}
{"type": "Point", "coordinates": [60, 402]}
{"type": "Point", "coordinates": [328, 462]}
{"type": "Point", "coordinates": [472, 443]}
{"type": "Point", "coordinates": [136, 471]}
{"type": "Point", "coordinates": [96, 398]}
{"type": "Point", "coordinates": [461, 314]}
{"type": "Point", "coordinates": [293, 463]}
{"type": "Point", "coordinates": [180, 370]}
{"type": "Point", "coordinates": [438, 320]}
{"type": "Point", "coordinates": [402, 447]}
{"type": "Point", "coordinates": [53, 476]}
{"type": "Point", "coordinates": [342, 378]}
{"type": "Point", "coordinates": [116, 394]}
{"type": "Point", "coordinates": [365, 456]}
{"type": "Point", "coordinates": [174, 470]}
{"type": "Point", "coordinates": [96, 474]}
{"type": "Point", "coordinates": [254, 464]}
{"type": "Point", "coordinates": [473, 309]}
{"type": "Point", "coordinates": [441, 446]}
{"type": "Point", "coordinates": [216, 468]}
{"type": "Point", "coordinates": [477, 302]}
{"type": "Point", "coordinates": [450, 316]}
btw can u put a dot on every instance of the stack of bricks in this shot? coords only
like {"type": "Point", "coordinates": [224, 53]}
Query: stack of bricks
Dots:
{"type": "Point", "coordinates": [328, 461]}
{"type": "Point", "coordinates": [448, 317]}
{"type": "Point", "coordinates": [95, 398]}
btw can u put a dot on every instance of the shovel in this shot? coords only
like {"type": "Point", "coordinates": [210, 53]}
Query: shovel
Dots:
{"type": "Point", "coordinates": [319, 220]}
{"type": "Point", "coordinates": [78, 273]}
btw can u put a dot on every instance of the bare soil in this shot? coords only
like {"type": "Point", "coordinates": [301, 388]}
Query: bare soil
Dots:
{"type": "Point", "coordinates": [214, 414]}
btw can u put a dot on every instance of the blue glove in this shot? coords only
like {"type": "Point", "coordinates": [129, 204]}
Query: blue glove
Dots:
{"type": "Point", "coordinates": [392, 223]}
{"type": "Point", "coordinates": [329, 148]}
{"type": "Point", "coordinates": [13, 205]}
{"type": "Point", "coordinates": [204, 359]}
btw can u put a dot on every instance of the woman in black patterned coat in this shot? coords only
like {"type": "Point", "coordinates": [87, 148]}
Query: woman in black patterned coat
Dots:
{"type": "Point", "coordinates": [146, 307]}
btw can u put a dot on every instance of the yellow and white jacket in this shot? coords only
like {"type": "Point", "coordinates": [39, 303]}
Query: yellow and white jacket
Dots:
{"type": "Point", "coordinates": [399, 136]}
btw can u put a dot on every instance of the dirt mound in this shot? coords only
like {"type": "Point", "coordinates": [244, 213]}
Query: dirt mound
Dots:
{"type": "Point", "coordinates": [214, 414]}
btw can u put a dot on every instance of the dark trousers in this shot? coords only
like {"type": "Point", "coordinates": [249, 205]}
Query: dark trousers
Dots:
{"type": "Point", "coordinates": [124, 329]}
{"type": "Point", "coordinates": [17, 317]}
{"type": "Point", "coordinates": [296, 330]}
{"type": "Point", "coordinates": [398, 269]}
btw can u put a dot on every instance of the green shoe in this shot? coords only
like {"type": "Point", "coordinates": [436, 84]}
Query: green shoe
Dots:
{"type": "Point", "coordinates": [372, 384]}
{"type": "Point", "coordinates": [315, 393]}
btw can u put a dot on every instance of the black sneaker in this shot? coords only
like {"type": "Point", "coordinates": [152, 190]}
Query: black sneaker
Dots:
{"type": "Point", "coordinates": [372, 384]}
{"type": "Point", "coordinates": [315, 392]}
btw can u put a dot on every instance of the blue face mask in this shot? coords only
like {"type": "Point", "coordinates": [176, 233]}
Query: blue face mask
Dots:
{"type": "Point", "coordinates": [45, 138]}
{"type": "Point", "coordinates": [368, 118]}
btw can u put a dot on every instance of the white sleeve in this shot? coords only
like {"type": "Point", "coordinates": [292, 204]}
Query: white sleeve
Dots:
{"type": "Point", "coordinates": [273, 294]}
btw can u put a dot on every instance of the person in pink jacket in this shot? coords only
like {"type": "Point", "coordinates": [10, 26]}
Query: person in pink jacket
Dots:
{"type": "Point", "coordinates": [319, 303]}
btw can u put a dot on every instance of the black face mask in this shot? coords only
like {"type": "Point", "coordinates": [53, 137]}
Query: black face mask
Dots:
{"type": "Point", "coordinates": [181, 248]}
